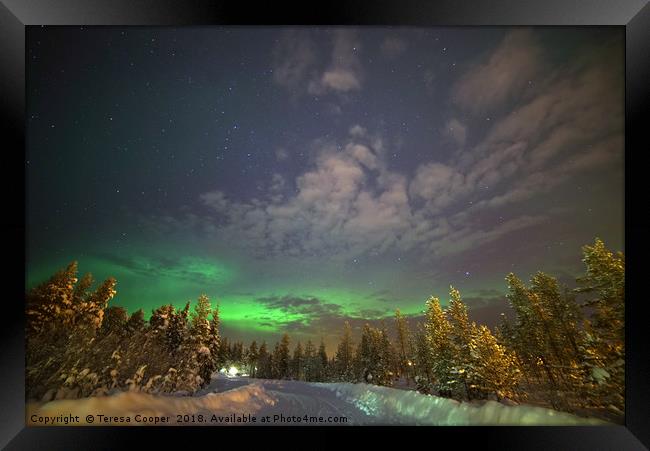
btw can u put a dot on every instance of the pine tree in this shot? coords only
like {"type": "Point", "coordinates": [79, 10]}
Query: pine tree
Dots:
{"type": "Point", "coordinates": [322, 363]}
{"type": "Point", "coordinates": [252, 358]}
{"type": "Point", "coordinates": [298, 363]}
{"type": "Point", "coordinates": [82, 289]}
{"type": "Point", "coordinates": [343, 361]}
{"type": "Point", "coordinates": [276, 372]}
{"type": "Point", "coordinates": [404, 347]}
{"type": "Point", "coordinates": [528, 338]}
{"type": "Point", "coordinates": [223, 358]}
{"type": "Point", "coordinates": [423, 365]}
{"type": "Point", "coordinates": [264, 363]}
{"type": "Point", "coordinates": [50, 305]}
{"type": "Point", "coordinates": [310, 365]}
{"type": "Point", "coordinates": [604, 344]}
{"type": "Point", "coordinates": [89, 312]}
{"type": "Point", "coordinates": [441, 353]}
{"type": "Point", "coordinates": [387, 359]}
{"type": "Point", "coordinates": [200, 323]}
{"type": "Point", "coordinates": [135, 322]}
{"type": "Point", "coordinates": [461, 336]}
{"type": "Point", "coordinates": [114, 321]}
{"type": "Point", "coordinates": [546, 337]}
{"type": "Point", "coordinates": [202, 338]}
{"type": "Point", "coordinates": [176, 333]}
{"type": "Point", "coordinates": [495, 368]}
{"type": "Point", "coordinates": [282, 358]}
{"type": "Point", "coordinates": [366, 358]}
{"type": "Point", "coordinates": [237, 354]}
{"type": "Point", "coordinates": [214, 339]}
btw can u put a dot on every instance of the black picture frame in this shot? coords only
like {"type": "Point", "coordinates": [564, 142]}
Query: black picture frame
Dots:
{"type": "Point", "coordinates": [16, 15]}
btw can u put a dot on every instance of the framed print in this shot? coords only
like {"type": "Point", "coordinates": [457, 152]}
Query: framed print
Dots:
{"type": "Point", "coordinates": [382, 214]}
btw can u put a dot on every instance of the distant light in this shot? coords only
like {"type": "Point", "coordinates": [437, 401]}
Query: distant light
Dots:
{"type": "Point", "coordinates": [233, 371]}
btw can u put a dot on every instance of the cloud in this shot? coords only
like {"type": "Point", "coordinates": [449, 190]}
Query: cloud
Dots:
{"type": "Point", "coordinates": [502, 77]}
{"type": "Point", "coordinates": [297, 305]}
{"type": "Point", "coordinates": [281, 154]}
{"type": "Point", "coordinates": [572, 126]}
{"type": "Point", "coordinates": [299, 68]}
{"type": "Point", "coordinates": [294, 59]}
{"type": "Point", "coordinates": [344, 74]}
{"type": "Point", "coordinates": [470, 236]}
{"type": "Point", "coordinates": [312, 316]}
{"type": "Point", "coordinates": [357, 131]}
{"type": "Point", "coordinates": [349, 201]}
{"type": "Point", "coordinates": [457, 131]}
{"type": "Point", "coordinates": [193, 269]}
{"type": "Point", "coordinates": [338, 79]}
{"type": "Point", "coordinates": [393, 46]}
{"type": "Point", "coordinates": [438, 184]}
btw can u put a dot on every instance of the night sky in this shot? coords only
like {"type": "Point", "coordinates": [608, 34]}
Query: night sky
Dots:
{"type": "Point", "coordinates": [305, 176]}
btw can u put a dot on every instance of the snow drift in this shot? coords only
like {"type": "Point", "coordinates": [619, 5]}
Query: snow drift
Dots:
{"type": "Point", "coordinates": [360, 404]}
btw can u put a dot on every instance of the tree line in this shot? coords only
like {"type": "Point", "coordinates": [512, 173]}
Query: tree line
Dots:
{"type": "Point", "coordinates": [563, 348]}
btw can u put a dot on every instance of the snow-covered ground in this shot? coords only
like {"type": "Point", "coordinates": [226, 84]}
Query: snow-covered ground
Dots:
{"type": "Point", "coordinates": [227, 400]}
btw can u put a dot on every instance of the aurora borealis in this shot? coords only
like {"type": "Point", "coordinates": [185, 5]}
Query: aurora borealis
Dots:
{"type": "Point", "coordinates": [301, 177]}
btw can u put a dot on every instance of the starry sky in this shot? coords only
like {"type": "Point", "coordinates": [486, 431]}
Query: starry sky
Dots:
{"type": "Point", "coordinates": [305, 176]}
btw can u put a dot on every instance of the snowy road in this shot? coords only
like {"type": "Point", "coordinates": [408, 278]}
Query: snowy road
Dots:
{"type": "Point", "coordinates": [292, 398]}
{"type": "Point", "coordinates": [298, 403]}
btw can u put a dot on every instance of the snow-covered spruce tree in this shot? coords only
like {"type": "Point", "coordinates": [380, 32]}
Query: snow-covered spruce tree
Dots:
{"type": "Point", "coordinates": [202, 339]}
{"type": "Point", "coordinates": [494, 368]}
{"type": "Point", "coordinates": [298, 363]}
{"type": "Point", "coordinates": [388, 360]}
{"type": "Point", "coordinates": [237, 354]}
{"type": "Point", "coordinates": [528, 338]}
{"type": "Point", "coordinates": [546, 337]}
{"type": "Point", "coordinates": [114, 321]}
{"type": "Point", "coordinates": [165, 354]}
{"type": "Point", "coordinates": [441, 351]}
{"type": "Point", "coordinates": [310, 359]}
{"type": "Point", "coordinates": [366, 358]}
{"type": "Point", "coordinates": [560, 316]}
{"type": "Point", "coordinates": [423, 364]}
{"type": "Point", "coordinates": [374, 359]}
{"type": "Point", "coordinates": [404, 346]}
{"type": "Point", "coordinates": [604, 343]}
{"type": "Point", "coordinates": [282, 358]}
{"type": "Point", "coordinates": [264, 370]}
{"type": "Point", "coordinates": [49, 306]}
{"type": "Point", "coordinates": [62, 325]}
{"type": "Point", "coordinates": [322, 363]}
{"type": "Point", "coordinates": [223, 353]}
{"type": "Point", "coordinates": [135, 322]}
{"type": "Point", "coordinates": [461, 334]}
{"type": "Point", "coordinates": [343, 370]}
{"type": "Point", "coordinates": [251, 359]}
{"type": "Point", "coordinates": [214, 339]}
{"type": "Point", "coordinates": [275, 362]}
{"type": "Point", "coordinates": [90, 309]}
{"type": "Point", "coordinates": [176, 330]}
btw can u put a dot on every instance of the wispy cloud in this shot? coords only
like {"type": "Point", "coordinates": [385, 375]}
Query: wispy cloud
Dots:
{"type": "Point", "coordinates": [298, 66]}
{"type": "Point", "coordinates": [503, 75]}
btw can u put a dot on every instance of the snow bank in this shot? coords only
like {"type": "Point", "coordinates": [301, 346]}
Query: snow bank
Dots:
{"type": "Point", "coordinates": [360, 404]}
{"type": "Point", "coordinates": [392, 406]}
{"type": "Point", "coordinates": [248, 399]}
